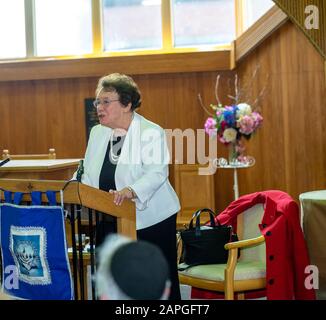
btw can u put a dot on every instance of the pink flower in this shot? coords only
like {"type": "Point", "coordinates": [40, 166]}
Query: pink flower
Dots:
{"type": "Point", "coordinates": [243, 159]}
{"type": "Point", "coordinates": [258, 119]}
{"type": "Point", "coordinates": [210, 127]}
{"type": "Point", "coordinates": [247, 125]}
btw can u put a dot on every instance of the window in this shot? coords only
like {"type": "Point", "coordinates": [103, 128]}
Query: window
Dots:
{"type": "Point", "coordinates": [63, 27]}
{"type": "Point", "coordinates": [254, 9]}
{"type": "Point", "coordinates": [203, 22]}
{"type": "Point", "coordinates": [95, 27]}
{"type": "Point", "coordinates": [132, 24]}
{"type": "Point", "coordinates": [12, 29]}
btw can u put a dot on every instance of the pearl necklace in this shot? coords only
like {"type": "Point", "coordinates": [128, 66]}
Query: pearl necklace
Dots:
{"type": "Point", "coordinates": [114, 157]}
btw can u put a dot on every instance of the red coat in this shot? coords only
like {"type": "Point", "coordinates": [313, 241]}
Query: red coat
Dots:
{"type": "Point", "coordinates": [286, 251]}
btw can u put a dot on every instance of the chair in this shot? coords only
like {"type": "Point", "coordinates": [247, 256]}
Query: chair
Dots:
{"type": "Point", "coordinates": [51, 155]}
{"type": "Point", "coordinates": [238, 275]}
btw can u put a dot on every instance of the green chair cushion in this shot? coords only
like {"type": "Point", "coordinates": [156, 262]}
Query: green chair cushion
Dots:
{"type": "Point", "coordinates": [244, 270]}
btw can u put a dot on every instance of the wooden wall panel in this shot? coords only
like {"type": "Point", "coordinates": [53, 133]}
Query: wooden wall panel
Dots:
{"type": "Point", "coordinates": [150, 63]}
{"type": "Point", "coordinates": [37, 115]}
{"type": "Point", "coordinates": [290, 148]}
{"type": "Point", "coordinates": [194, 192]}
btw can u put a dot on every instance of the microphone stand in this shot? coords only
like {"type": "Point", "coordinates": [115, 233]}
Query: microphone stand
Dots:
{"type": "Point", "coordinates": [2, 163]}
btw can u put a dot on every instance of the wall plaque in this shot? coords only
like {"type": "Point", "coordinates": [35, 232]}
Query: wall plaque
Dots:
{"type": "Point", "coordinates": [90, 116]}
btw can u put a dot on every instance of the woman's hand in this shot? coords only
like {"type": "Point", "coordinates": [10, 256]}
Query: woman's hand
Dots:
{"type": "Point", "coordinates": [120, 196]}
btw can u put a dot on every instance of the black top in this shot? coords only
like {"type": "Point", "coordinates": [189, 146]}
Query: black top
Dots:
{"type": "Point", "coordinates": [107, 181]}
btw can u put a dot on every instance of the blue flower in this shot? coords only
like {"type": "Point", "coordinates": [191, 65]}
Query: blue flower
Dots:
{"type": "Point", "coordinates": [229, 115]}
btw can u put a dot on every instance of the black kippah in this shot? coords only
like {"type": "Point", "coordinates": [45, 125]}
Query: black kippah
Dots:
{"type": "Point", "coordinates": [140, 270]}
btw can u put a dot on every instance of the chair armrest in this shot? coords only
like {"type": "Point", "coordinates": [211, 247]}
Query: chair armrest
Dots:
{"type": "Point", "coordinates": [232, 261]}
{"type": "Point", "coordinates": [244, 243]}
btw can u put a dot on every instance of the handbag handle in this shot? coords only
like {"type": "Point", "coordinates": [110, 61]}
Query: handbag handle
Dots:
{"type": "Point", "coordinates": [197, 216]}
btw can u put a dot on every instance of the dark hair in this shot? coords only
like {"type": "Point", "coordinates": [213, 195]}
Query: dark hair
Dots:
{"type": "Point", "coordinates": [124, 85]}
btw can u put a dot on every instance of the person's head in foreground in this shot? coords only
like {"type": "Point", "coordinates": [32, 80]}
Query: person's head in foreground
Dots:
{"type": "Point", "coordinates": [131, 270]}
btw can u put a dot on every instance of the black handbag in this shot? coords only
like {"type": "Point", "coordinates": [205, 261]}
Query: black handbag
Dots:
{"type": "Point", "coordinates": [205, 244]}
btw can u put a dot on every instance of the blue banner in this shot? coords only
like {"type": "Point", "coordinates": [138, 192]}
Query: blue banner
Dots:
{"type": "Point", "coordinates": [34, 250]}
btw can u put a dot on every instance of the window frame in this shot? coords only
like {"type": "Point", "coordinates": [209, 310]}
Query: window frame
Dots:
{"type": "Point", "coordinates": [244, 10]}
{"type": "Point", "coordinates": [165, 60]}
{"type": "Point", "coordinates": [97, 34]}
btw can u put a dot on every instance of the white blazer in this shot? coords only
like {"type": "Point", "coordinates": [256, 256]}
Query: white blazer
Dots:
{"type": "Point", "coordinates": [143, 166]}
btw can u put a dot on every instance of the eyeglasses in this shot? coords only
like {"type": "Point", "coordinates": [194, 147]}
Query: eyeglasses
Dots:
{"type": "Point", "coordinates": [105, 102]}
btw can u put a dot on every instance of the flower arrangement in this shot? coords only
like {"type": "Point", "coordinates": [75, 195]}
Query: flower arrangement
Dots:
{"type": "Point", "coordinates": [230, 123]}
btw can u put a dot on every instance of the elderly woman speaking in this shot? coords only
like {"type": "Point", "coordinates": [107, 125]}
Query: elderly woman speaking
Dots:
{"type": "Point", "coordinates": [127, 155]}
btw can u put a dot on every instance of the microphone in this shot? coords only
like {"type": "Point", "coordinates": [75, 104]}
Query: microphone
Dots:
{"type": "Point", "coordinates": [80, 170]}
{"type": "Point", "coordinates": [2, 163]}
